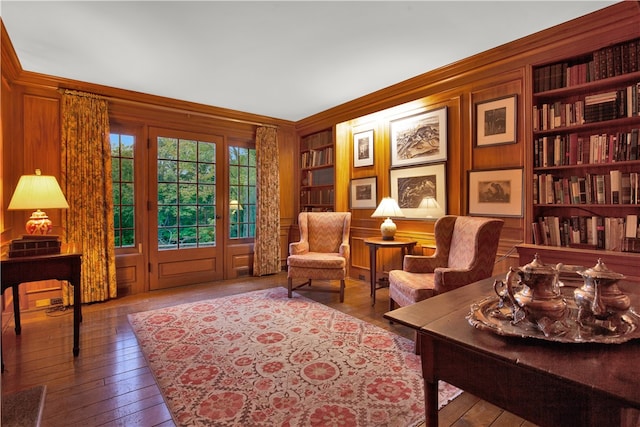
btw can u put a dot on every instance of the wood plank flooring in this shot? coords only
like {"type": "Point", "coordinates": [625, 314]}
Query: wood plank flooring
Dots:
{"type": "Point", "coordinates": [110, 384]}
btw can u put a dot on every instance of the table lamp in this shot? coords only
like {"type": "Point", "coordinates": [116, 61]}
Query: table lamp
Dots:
{"type": "Point", "coordinates": [428, 203]}
{"type": "Point", "coordinates": [38, 192]}
{"type": "Point", "coordinates": [388, 208]}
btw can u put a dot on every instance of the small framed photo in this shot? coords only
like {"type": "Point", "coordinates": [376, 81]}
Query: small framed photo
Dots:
{"type": "Point", "coordinates": [364, 193]}
{"type": "Point", "coordinates": [496, 121]}
{"type": "Point", "coordinates": [418, 139]}
{"type": "Point", "coordinates": [363, 149]}
{"type": "Point", "coordinates": [496, 192]}
{"type": "Point", "coordinates": [421, 192]}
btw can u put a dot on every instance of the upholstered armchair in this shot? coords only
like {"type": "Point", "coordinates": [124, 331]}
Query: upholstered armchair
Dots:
{"type": "Point", "coordinates": [466, 249]}
{"type": "Point", "coordinates": [323, 251]}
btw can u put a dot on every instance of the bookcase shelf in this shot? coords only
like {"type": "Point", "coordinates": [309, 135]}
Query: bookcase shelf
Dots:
{"type": "Point", "coordinates": [317, 172]}
{"type": "Point", "coordinates": [585, 187]}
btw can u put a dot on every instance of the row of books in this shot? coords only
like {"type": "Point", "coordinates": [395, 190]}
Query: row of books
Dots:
{"type": "Point", "coordinates": [610, 61]}
{"type": "Point", "coordinates": [610, 105]}
{"type": "Point", "coordinates": [316, 140]}
{"type": "Point", "coordinates": [572, 149]}
{"type": "Point", "coordinates": [597, 232]}
{"type": "Point", "coordinates": [317, 177]}
{"type": "Point", "coordinates": [615, 187]}
{"type": "Point", "coordinates": [313, 158]}
{"type": "Point", "coordinates": [317, 197]}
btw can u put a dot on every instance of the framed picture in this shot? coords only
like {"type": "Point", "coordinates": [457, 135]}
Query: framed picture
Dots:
{"type": "Point", "coordinates": [496, 192]}
{"type": "Point", "coordinates": [421, 192]}
{"type": "Point", "coordinates": [418, 139]}
{"type": "Point", "coordinates": [363, 149]}
{"type": "Point", "coordinates": [364, 193]}
{"type": "Point", "coordinates": [496, 121]}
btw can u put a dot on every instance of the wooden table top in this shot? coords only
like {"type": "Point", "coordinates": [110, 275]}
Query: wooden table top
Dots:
{"type": "Point", "coordinates": [609, 368]}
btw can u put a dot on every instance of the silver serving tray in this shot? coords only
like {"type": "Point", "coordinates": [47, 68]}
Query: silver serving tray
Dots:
{"type": "Point", "coordinates": [490, 314]}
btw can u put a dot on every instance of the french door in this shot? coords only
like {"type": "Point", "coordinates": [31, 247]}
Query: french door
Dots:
{"type": "Point", "coordinates": [186, 192]}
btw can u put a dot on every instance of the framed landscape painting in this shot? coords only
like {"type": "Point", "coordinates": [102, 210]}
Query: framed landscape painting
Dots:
{"type": "Point", "coordinates": [418, 139]}
{"type": "Point", "coordinates": [363, 193]}
{"type": "Point", "coordinates": [411, 186]}
{"type": "Point", "coordinates": [496, 121]}
{"type": "Point", "coordinates": [496, 192]}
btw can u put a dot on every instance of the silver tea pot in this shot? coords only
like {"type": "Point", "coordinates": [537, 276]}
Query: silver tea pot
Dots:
{"type": "Point", "coordinates": [600, 294]}
{"type": "Point", "coordinates": [534, 289]}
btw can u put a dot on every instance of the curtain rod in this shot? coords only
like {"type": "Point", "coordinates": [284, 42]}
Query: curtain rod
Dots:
{"type": "Point", "coordinates": [171, 109]}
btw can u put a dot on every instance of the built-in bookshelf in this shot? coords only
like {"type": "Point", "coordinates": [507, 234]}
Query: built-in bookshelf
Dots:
{"type": "Point", "coordinates": [586, 162]}
{"type": "Point", "coordinates": [317, 172]}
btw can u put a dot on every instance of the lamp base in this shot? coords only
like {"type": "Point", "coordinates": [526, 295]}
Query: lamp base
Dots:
{"type": "Point", "coordinates": [39, 223]}
{"type": "Point", "coordinates": [388, 229]}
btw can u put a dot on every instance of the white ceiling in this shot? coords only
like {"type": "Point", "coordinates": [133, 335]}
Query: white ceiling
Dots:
{"type": "Point", "coordinates": [287, 60]}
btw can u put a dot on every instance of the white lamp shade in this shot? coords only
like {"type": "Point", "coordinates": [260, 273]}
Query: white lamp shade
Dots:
{"type": "Point", "coordinates": [37, 192]}
{"type": "Point", "coordinates": [429, 203]}
{"type": "Point", "coordinates": [388, 207]}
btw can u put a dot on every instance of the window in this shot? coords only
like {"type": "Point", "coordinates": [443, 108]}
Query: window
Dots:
{"type": "Point", "coordinates": [186, 193]}
{"type": "Point", "coordinates": [242, 192]}
{"type": "Point", "coordinates": [122, 177]}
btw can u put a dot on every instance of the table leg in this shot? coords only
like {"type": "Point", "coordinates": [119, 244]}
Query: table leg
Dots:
{"type": "Point", "coordinates": [16, 308]}
{"type": "Point", "coordinates": [77, 312]}
{"type": "Point", "coordinates": [431, 403]}
{"type": "Point", "coordinates": [373, 271]}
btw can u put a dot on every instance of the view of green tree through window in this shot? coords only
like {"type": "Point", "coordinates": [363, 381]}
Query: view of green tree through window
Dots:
{"type": "Point", "coordinates": [122, 176]}
{"type": "Point", "coordinates": [186, 193]}
{"type": "Point", "coordinates": [242, 192]}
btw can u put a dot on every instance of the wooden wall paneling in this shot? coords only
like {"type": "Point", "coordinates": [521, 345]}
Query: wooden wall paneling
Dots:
{"type": "Point", "coordinates": [342, 173]}
{"type": "Point", "coordinates": [41, 150]}
{"type": "Point", "coordinates": [129, 269]}
{"type": "Point", "coordinates": [502, 156]}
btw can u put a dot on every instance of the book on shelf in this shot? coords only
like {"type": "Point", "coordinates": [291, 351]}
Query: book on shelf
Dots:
{"type": "Point", "coordinates": [574, 149]}
{"type": "Point", "coordinates": [615, 187]}
{"type": "Point", "coordinates": [609, 61]}
{"type": "Point", "coordinates": [620, 103]}
{"type": "Point", "coordinates": [583, 231]}
{"type": "Point", "coordinates": [316, 140]}
{"type": "Point", "coordinates": [632, 228]}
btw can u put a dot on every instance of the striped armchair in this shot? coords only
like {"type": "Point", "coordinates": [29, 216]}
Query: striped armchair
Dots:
{"type": "Point", "coordinates": [323, 251]}
{"type": "Point", "coordinates": [466, 249]}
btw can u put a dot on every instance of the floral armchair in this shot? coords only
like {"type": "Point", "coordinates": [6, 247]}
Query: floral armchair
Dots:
{"type": "Point", "coordinates": [466, 249]}
{"type": "Point", "coordinates": [323, 251]}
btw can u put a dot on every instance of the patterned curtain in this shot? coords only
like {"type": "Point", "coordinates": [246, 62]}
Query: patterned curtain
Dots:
{"type": "Point", "coordinates": [266, 256]}
{"type": "Point", "coordinates": [86, 180]}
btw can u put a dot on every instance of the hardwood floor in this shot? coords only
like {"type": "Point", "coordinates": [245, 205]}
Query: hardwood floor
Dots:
{"type": "Point", "coordinates": [110, 384]}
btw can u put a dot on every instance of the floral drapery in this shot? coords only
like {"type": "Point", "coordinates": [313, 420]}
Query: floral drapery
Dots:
{"type": "Point", "coordinates": [266, 256]}
{"type": "Point", "coordinates": [86, 180]}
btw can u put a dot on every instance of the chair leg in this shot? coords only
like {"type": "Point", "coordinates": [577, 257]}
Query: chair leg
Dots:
{"type": "Point", "coordinates": [289, 287]}
{"type": "Point", "coordinates": [342, 290]}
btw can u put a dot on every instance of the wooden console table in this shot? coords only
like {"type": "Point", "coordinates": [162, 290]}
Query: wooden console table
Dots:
{"type": "Point", "coordinates": [374, 243]}
{"type": "Point", "coordinates": [548, 383]}
{"type": "Point", "coordinates": [64, 266]}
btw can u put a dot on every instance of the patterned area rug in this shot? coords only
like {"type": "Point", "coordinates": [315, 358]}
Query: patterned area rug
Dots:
{"type": "Point", "coordinates": [262, 359]}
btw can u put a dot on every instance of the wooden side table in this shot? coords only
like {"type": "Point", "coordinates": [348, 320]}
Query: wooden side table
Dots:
{"type": "Point", "coordinates": [64, 266]}
{"type": "Point", "coordinates": [374, 243]}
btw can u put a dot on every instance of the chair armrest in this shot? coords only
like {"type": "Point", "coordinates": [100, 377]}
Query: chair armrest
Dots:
{"type": "Point", "coordinates": [297, 248]}
{"type": "Point", "coordinates": [420, 263]}
{"type": "Point", "coordinates": [345, 250]}
{"type": "Point", "coordinates": [446, 279]}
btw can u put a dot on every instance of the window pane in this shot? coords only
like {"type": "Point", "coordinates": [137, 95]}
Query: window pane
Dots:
{"type": "Point", "coordinates": [167, 148]}
{"type": "Point", "coordinates": [242, 172]}
{"type": "Point", "coordinates": [186, 193]}
{"type": "Point", "coordinates": [187, 150]}
{"type": "Point", "coordinates": [122, 177]}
